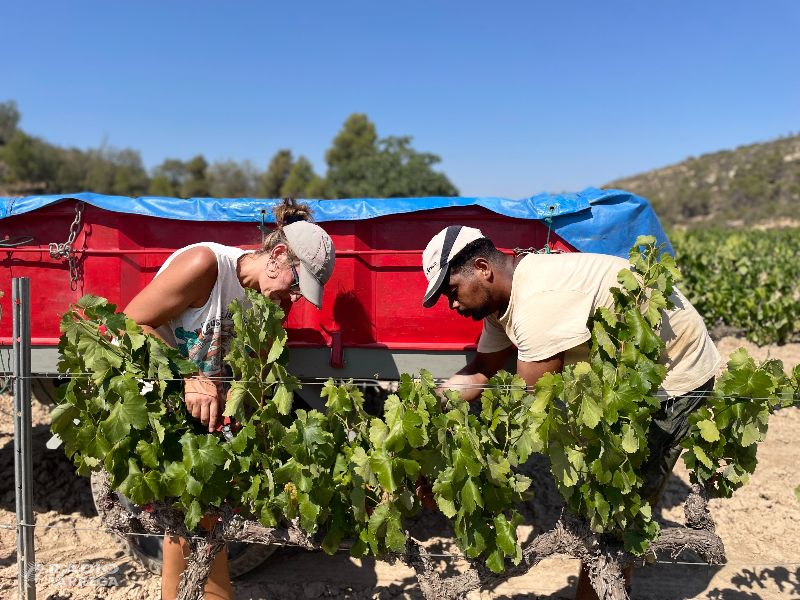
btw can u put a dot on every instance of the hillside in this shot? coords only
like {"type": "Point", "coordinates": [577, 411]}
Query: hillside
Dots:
{"type": "Point", "coordinates": [751, 184]}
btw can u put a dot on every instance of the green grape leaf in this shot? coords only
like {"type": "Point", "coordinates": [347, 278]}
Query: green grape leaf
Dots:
{"type": "Point", "coordinates": [702, 457]}
{"type": "Point", "coordinates": [603, 339]}
{"type": "Point", "coordinates": [283, 400]}
{"type": "Point", "coordinates": [381, 465]}
{"type": "Point", "coordinates": [378, 431]}
{"type": "Point", "coordinates": [495, 561]}
{"type": "Point", "coordinates": [131, 412]}
{"type": "Point", "coordinates": [308, 513]}
{"type": "Point", "coordinates": [708, 430]}
{"type": "Point", "coordinates": [563, 470]}
{"type": "Point", "coordinates": [233, 404]}
{"type": "Point", "coordinates": [148, 454]}
{"type": "Point", "coordinates": [174, 479]}
{"type": "Point", "coordinates": [751, 433]}
{"type": "Point", "coordinates": [506, 535]}
{"type": "Point", "coordinates": [153, 480]}
{"type": "Point", "coordinates": [201, 454]}
{"type": "Point", "coordinates": [276, 349]}
{"type": "Point", "coordinates": [134, 486]}
{"type": "Point", "coordinates": [193, 515]}
{"type": "Point", "coordinates": [628, 280]}
{"type": "Point", "coordinates": [630, 442]}
{"type": "Point", "coordinates": [471, 497]}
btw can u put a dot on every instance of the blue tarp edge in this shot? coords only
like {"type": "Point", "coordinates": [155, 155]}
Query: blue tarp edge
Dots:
{"type": "Point", "coordinates": [593, 220]}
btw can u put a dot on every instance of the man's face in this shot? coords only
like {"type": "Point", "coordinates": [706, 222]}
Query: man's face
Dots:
{"type": "Point", "coordinates": [468, 294]}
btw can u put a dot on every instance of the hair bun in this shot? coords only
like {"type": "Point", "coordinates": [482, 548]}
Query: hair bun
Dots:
{"type": "Point", "coordinates": [289, 211]}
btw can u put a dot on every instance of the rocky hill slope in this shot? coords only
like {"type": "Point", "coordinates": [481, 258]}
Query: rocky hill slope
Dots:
{"type": "Point", "coordinates": [749, 185]}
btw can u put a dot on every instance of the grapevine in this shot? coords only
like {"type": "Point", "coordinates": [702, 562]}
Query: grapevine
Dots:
{"type": "Point", "coordinates": [746, 280]}
{"type": "Point", "coordinates": [344, 476]}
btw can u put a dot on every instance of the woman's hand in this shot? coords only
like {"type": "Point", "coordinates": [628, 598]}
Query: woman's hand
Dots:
{"type": "Point", "coordinates": [203, 400]}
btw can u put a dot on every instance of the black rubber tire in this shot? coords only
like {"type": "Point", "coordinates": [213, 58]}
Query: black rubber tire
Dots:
{"type": "Point", "coordinates": [242, 558]}
{"type": "Point", "coordinates": [44, 388]}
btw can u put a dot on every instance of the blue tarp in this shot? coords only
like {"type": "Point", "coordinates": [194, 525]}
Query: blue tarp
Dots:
{"type": "Point", "coordinates": [603, 221]}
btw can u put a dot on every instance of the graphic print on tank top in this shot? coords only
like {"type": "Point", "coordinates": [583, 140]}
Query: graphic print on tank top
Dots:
{"type": "Point", "coordinates": [205, 346]}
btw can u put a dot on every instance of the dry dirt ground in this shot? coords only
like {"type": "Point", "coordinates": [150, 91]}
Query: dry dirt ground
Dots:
{"type": "Point", "coordinates": [760, 527]}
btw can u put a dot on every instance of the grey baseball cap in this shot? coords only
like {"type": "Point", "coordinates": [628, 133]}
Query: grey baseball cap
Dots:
{"type": "Point", "coordinates": [437, 256]}
{"type": "Point", "coordinates": [314, 247]}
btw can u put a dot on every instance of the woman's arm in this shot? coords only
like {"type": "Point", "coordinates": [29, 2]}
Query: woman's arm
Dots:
{"type": "Point", "coordinates": [186, 283]}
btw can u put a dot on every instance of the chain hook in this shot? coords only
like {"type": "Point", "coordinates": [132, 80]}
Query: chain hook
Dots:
{"type": "Point", "coordinates": [67, 250]}
{"type": "Point", "coordinates": [547, 249]}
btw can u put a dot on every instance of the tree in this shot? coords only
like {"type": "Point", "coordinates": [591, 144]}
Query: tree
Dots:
{"type": "Point", "coordinates": [318, 189]}
{"type": "Point", "coordinates": [71, 172]}
{"type": "Point", "coordinates": [277, 172]}
{"type": "Point", "coordinates": [130, 177]}
{"type": "Point", "coordinates": [196, 185]}
{"type": "Point", "coordinates": [355, 142]}
{"type": "Point", "coordinates": [361, 165]}
{"type": "Point", "coordinates": [356, 139]}
{"type": "Point", "coordinates": [230, 179]}
{"type": "Point", "coordinates": [397, 170]}
{"type": "Point", "coordinates": [29, 159]}
{"type": "Point", "coordinates": [299, 179]}
{"type": "Point", "coordinates": [169, 177]}
{"type": "Point", "coordinates": [9, 119]}
{"type": "Point", "coordinates": [99, 172]}
{"type": "Point", "coordinates": [112, 171]}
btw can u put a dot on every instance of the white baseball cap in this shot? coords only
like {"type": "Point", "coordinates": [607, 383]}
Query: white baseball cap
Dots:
{"type": "Point", "coordinates": [314, 247]}
{"type": "Point", "coordinates": [437, 256]}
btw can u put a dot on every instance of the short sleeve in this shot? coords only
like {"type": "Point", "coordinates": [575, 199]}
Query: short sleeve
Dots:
{"type": "Point", "coordinates": [493, 337]}
{"type": "Point", "coordinates": [547, 323]}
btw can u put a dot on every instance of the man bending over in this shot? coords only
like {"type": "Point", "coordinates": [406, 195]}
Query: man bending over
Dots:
{"type": "Point", "coordinates": [539, 304]}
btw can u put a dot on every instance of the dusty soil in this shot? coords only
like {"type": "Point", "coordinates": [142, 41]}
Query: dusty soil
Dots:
{"type": "Point", "coordinates": [760, 527]}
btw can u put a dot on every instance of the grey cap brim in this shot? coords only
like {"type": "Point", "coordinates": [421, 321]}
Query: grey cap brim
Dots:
{"type": "Point", "coordinates": [309, 286]}
{"type": "Point", "coordinates": [435, 288]}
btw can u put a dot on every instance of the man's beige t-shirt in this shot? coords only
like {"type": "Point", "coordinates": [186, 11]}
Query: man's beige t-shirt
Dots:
{"type": "Point", "coordinates": [552, 297]}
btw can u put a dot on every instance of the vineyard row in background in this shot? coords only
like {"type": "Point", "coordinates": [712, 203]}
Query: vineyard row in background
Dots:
{"type": "Point", "coordinates": [746, 280]}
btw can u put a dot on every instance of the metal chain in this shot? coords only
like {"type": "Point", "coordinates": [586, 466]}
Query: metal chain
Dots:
{"type": "Point", "coordinates": [66, 249]}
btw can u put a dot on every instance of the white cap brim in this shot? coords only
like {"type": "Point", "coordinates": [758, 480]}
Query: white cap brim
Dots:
{"type": "Point", "coordinates": [310, 288]}
{"type": "Point", "coordinates": [434, 288]}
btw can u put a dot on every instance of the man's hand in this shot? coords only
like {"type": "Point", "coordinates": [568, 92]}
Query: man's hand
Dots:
{"type": "Point", "coordinates": [469, 381]}
{"type": "Point", "coordinates": [203, 400]}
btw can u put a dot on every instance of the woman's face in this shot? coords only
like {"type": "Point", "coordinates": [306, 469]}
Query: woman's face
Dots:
{"type": "Point", "coordinates": [280, 280]}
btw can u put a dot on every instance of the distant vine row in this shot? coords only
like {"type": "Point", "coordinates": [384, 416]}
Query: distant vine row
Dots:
{"type": "Point", "coordinates": [745, 279]}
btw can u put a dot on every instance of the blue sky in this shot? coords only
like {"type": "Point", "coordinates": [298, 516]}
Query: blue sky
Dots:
{"type": "Point", "coordinates": [516, 97]}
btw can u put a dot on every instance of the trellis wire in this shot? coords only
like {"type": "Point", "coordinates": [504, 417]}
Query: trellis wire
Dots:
{"type": "Point", "coordinates": [321, 381]}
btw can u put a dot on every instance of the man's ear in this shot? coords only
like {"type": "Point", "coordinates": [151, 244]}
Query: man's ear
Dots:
{"type": "Point", "coordinates": [484, 267]}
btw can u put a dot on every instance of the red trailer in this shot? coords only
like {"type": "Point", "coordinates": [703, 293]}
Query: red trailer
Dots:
{"type": "Point", "coordinates": [372, 324]}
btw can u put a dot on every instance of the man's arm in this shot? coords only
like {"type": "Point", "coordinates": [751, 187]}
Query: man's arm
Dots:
{"type": "Point", "coordinates": [477, 372]}
{"type": "Point", "coordinates": [532, 371]}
